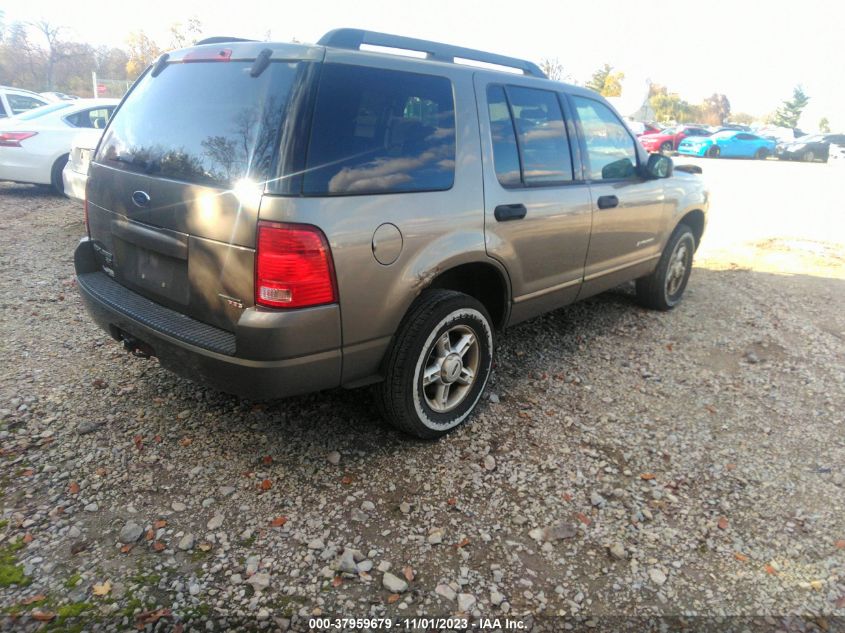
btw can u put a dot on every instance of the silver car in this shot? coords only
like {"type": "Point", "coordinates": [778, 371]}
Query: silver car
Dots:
{"type": "Point", "coordinates": [274, 219]}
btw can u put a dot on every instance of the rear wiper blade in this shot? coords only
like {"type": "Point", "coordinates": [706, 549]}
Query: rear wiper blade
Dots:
{"type": "Point", "coordinates": [160, 64]}
{"type": "Point", "coordinates": [146, 165]}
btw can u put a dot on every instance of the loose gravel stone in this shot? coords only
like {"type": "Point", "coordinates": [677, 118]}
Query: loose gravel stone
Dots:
{"type": "Point", "coordinates": [130, 532]}
{"type": "Point", "coordinates": [466, 602]}
{"type": "Point", "coordinates": [657, 576]}
{"type": "Point", "coordinates": [215, 522]}
{"type": "Point", "coordinates": [617, 551]}
{"type": "Point", "coordinates": [394, 584]}
{"type": "Point", "coordinates": [187, 542]}
{"type": "Point", "coordinates": [446, 591]}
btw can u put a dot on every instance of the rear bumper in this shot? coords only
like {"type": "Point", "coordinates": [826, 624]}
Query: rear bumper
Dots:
{"type": "Point", "coordinates": [74, 183]}
{"type": "Point", "coordinates": [210, 355]}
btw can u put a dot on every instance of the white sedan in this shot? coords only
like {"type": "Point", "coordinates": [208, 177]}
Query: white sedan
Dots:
{"type": "Point", "coordinates": [34, 146]}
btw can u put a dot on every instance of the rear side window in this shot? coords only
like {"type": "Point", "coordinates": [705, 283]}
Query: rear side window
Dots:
{"type": "Point", "coordinates": [529, 137]}
{"type": "Point", "coordinates": [96, 118]}
{"type": "Point", "coordinates": [22, 103]}
{"type": "Point", "coordinates": [380, 131]}
{"type": "Point", "coordinates": [610, 148]}
{"type": "Point", "coordinates": [505, 152]}
{"type": "Point", "coordinates": [206, 123]}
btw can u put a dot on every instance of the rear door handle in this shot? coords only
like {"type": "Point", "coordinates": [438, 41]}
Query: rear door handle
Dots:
{"type": "Point", "coordinates": [507, 212]}
{"type": "Point", "coordinates": [607, 202]}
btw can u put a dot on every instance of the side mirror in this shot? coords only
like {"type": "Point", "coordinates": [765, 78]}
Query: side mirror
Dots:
{"type": "Point", "coordinates": [658, 166]}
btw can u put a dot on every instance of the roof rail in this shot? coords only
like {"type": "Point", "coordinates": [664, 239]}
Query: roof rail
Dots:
{"type": "Point", "coordinates": [222, 39]}
{"type": "Point", "coordinates": [354, 38]}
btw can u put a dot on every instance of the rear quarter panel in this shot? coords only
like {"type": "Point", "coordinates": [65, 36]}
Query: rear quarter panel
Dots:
{"type": "Point", "coordinates": [440, 229]}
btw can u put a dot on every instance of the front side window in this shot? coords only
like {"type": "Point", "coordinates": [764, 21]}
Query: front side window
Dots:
{"type": "Point", "coordinates": [529, 135]}
{"type": "Point", "coordinates": [380, 131]}
{"type": "Point", "coordinates": [610, 149]}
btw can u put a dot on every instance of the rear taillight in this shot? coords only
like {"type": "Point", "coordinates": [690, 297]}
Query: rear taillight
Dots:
{"type": "Point", "coordinates": [13, 139]}
{"type": "Point", "coordinates": [293, 266]}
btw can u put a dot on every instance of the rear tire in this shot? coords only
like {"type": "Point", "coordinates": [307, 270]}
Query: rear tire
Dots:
{"type": "Point", "coordinates": [666, 147]}
{"type": "Point", "coordinates": [56, 180]}
{"type": "Point", "coordinates": [663, 288]}
{"type": "Point", "coordinates": [438, 364]}
{"type": "Point", "coordinates": [808, 156]}
{"type": "Point", "coordinates": [714, 152]}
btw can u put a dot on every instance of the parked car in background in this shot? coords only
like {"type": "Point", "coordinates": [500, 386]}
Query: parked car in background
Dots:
{"type": "Point", "coordinates": [640, 127]}
{"type": "Point", "coordinates": [14, 101]}
{"type": "Point", "coordinates": [669, 139]}
{"type": "Point", "coordinates": [57, 96]}
{"type": "Point", "coordinates": [728, 144]}
{"type": "Point", "coordinates": [732, 126]}
{"type": "Point", "coordinates": [810, 148]}
{"type": "Point", "coordinates": [837, 155]}
{"type": "Point", "coordinates": [779, 134]}
{"type": "Point", "coordinates": [34, 146]}
{"type": "Point", "coordinates": [411, 209]}
{"type": "Point", "coordinates": [75, 173]}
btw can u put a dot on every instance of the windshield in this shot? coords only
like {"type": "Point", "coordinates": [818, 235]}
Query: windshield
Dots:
{"type": "Point", "coordinates": [206, 123]}
{"type": "Point", "coordinates": [38, 112]}
{"type": "Point", "coordinates": [814, 138]}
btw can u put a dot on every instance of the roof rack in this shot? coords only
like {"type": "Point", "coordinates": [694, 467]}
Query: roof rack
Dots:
{"type": "Point", "coordinates": [222, 39]}
{"type": "Point", "coordinates": [354, 38]}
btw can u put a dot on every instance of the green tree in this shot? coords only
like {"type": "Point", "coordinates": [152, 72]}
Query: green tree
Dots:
{"type": "Point", "coordinates": [789, 113]}
{"type": "Point", "coordinates": [824, 125]}
{"type": "Point", "coordinates": [553, 68]}
{"type": "Point", "coordinates": [606, 82]}
{"type": "Point", "coordinates": [185, 35]}
{"type": "Point", "coordinates": [716, 109]}
{"type": "Point", "coordinates": [143, 51]}
{"type": "Point", "coordinates": [668, 106]}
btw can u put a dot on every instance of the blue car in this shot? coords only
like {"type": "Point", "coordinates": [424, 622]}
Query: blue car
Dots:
{"type": "Point", "coordinates": [729, 144]}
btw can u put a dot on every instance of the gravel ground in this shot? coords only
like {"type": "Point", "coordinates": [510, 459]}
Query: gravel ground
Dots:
{"type": "Point", "coordinates": [625, 462]}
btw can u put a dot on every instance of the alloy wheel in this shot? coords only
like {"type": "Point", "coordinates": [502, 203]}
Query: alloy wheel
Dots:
{"type": "Point", "coordinates": [451, 368]}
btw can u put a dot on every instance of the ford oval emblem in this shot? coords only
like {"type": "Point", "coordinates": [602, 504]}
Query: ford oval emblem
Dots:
{"type": "Point", "coordinates": [141, 198]}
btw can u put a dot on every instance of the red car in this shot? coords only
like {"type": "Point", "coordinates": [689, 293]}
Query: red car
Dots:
{"type": "Point", "coordinates": [669, 139]}
{"type": "Point", "coordinates": [649, 128]}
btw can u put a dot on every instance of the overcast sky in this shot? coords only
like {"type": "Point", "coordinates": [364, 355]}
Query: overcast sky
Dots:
{"type": "Point", "coordinates": [754, 52]}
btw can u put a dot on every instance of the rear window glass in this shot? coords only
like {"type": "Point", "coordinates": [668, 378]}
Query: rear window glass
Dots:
{"type": "Point", "coordinates": [380, 131]}
{"type": "Point", "coordinates": [206, 123]}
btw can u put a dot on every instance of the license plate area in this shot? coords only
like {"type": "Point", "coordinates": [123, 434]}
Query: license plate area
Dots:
{"type": "Point", "coordinates": [152, 272]}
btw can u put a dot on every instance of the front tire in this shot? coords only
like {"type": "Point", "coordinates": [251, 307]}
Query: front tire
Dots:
{"type": "Point", "coordinates": [762, 154]}
{"type": "Point", "coordinates": [666, 147]}
{"type": "Point", "coordinates": [438, 365]}
{"type": "Point", "coordinates": [664, 288]}
{"type": "Point", "coordinates": [714, 152]}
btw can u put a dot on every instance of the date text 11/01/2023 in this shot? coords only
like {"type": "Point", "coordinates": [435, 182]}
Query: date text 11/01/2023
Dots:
{"type": "Point", "coordinates": [480, 624]}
